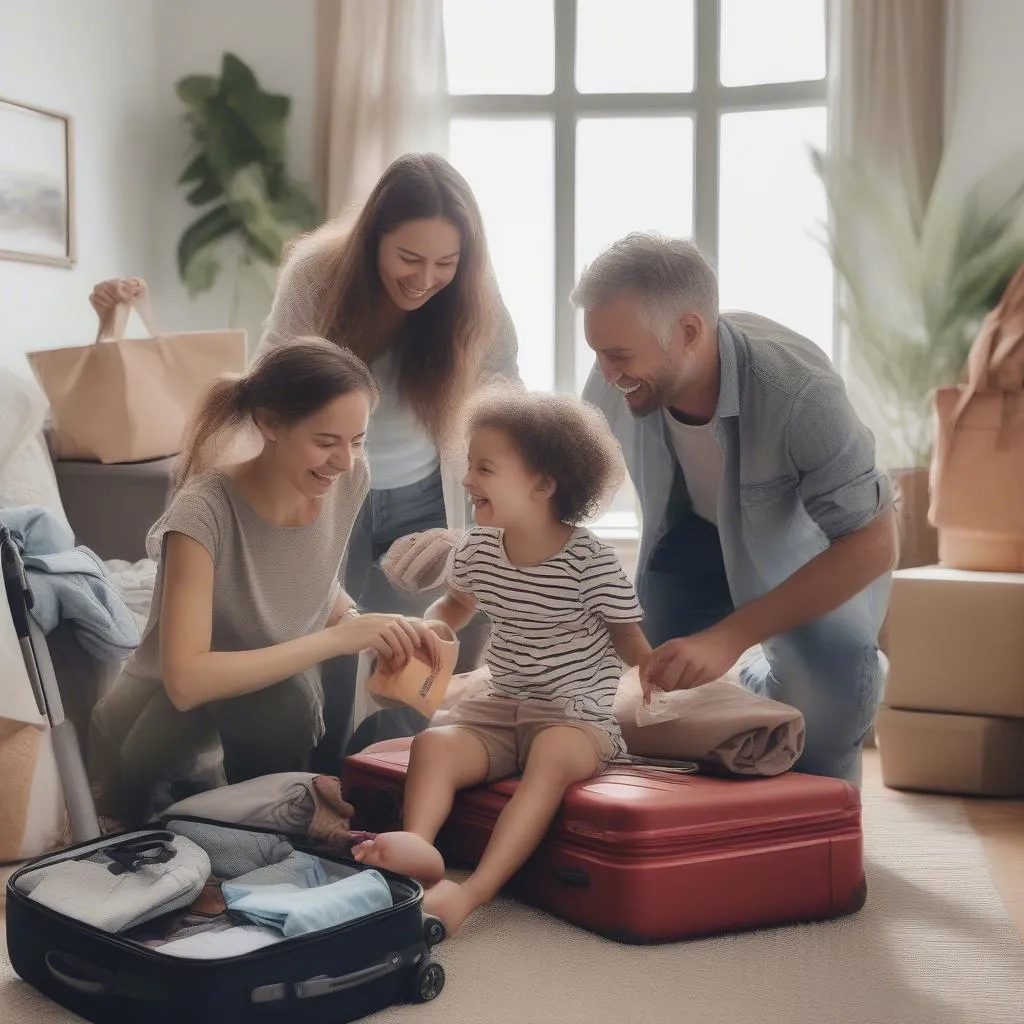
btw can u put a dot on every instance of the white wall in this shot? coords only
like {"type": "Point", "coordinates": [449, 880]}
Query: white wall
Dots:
{"type": "Point", "coordinates": [92, 59]}
{"type": "Point", "coordinates": [276, 38]}
{"type": "Point", "coordinates": [985, 123]}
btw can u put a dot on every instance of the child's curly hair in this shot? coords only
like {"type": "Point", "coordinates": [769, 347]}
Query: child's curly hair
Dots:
{"type": "Point", "coordinates": [559, 436]}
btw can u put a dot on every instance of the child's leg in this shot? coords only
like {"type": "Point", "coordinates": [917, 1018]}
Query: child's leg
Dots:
{"type": "Point", "coordinates": [441, 762]}
{"type": "Point", "coordinates": [559, 756]}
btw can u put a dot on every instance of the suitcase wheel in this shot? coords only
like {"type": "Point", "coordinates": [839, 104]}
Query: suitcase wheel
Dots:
{"type": "Point", "coordinates": [433, 930]}
{"type": "Point", "coordinates": [428, 982]}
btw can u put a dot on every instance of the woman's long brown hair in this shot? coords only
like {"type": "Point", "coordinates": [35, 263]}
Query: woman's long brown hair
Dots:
{"type": "Point", "coordinates": [438, 353]}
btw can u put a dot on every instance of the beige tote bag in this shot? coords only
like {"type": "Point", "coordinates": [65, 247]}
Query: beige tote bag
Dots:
{"type": "Point", "coordinates": [130, 399]}
{"type": "Point", "coordinates": [977, 477]}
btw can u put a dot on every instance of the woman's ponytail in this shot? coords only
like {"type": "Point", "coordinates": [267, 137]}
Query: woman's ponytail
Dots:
{"type": "Point", "coordinates": [223, 410]}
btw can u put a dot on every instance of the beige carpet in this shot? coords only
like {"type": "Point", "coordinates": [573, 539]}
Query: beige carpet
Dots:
{"type": "Point", "coordinates": [932, 946]}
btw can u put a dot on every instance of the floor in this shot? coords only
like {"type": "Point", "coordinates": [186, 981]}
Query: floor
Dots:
{"type": "Point", "coordinates": [999, 823]}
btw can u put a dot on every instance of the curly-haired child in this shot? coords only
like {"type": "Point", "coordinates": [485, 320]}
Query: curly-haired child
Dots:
{"type": "Point", "coordinates": [564, 619]}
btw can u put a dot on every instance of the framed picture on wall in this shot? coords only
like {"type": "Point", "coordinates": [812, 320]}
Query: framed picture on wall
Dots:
{"type": "Point", "coordinates": [37, 213]}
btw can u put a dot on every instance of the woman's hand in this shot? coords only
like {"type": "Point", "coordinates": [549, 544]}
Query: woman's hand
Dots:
{"type": "Point", "coordinates": [393, 638]}
{"type": "Point", "coordinates": [115, 291]}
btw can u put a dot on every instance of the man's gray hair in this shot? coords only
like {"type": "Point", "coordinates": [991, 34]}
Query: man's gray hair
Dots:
{"type": "Point", "coordinates": [668, 276]}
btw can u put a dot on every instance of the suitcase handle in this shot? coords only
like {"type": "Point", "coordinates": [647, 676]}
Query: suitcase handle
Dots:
{"type": "Point", "coordinates": [82, 976]}
{"type": "Point", "coordinates": [89, 980]}
{"type": "Point", "coordinates": [323, 985]}
{"type": "Point", "coordinates": [575, 878]}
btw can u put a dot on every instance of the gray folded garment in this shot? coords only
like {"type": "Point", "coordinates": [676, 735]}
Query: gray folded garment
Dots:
{"type": "Point", "coordinates": [296, 803]}
{"type": "Point", "coordinates": [299, 869]}
{"type": "Point", "coordinates": [114, 901]}
{"type": "Point", "coordinates": [720, 725]}
{"type": "Point", "coordinates": [233, 851]}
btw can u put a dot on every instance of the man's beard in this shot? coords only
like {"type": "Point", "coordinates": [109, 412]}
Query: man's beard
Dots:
{"type": "Point", "coordinates": [658, 392]}
{"type": "Point", "coordinates": [653, 399]}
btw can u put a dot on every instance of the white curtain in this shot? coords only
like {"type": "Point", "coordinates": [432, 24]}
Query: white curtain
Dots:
{"type": "Point", "coordinates": [381, 91]}
{"type": "Point", "coordinates": [888, 64]}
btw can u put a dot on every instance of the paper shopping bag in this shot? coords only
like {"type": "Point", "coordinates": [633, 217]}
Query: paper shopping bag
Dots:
{"type": "Point", "coordinates": [130, 399]}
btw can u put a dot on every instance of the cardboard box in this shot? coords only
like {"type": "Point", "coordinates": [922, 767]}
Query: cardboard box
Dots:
{"type": "Point", "coordinates": [938, 753]}
{"type": "Point", "coordinates": [956, 642]}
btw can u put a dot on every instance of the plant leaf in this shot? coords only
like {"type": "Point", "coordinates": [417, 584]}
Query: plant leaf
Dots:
{"type": "Point", "coordinates": [230, 143]}
{"type": "Point", "coordinates": [205, 192]}
{"type": "Point", "coordinates": [197, 170]}
{"type": "Point", "coordinates": [296, 206]}
{"type": "Point", "coordinates": [247, 197]}
{"type": "Point", "coordinates": [237, 77]}
{"type": "Point", "coordinates": [195, 90]}
{"type": "Point", "coordinates": [265, 116]}
{"type": "Point", "coordinates": [912, 297]}
{"type": "Point", "coordinates": [218, 223]}
{"type": "Point", "coordinates": [202, 270]}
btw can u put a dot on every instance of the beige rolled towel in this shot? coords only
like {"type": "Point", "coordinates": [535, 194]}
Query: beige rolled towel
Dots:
{"type": "Point", "coordinates": [719, 725]}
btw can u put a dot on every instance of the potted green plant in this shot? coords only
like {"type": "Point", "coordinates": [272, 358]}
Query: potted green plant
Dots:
{"type": "Point", "coordinates": [912, 298]}
{"type": "Point", "coordinates": [237, 173]}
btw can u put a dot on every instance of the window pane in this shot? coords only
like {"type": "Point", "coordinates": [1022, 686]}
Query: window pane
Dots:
{"type": "Point", "coordinates": [500, 46]}
{"type": "Point", "coordinates": [632, 174]}
{"type": "Point", "coordinates": [518, 202]}
{"type": "Point", "coordinates": [650, 49]}
{"type": "Point", "coordinates": [772, 206]}
{"type": "Point", "coordinates": [781, 41]}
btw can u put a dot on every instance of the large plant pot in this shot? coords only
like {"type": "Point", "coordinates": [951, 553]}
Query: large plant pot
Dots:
{"type": "Point", "coordinates": [919, 542]}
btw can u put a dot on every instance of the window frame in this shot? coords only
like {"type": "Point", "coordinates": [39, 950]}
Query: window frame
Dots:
{"type": "Point", "coordinates": [706, 104]}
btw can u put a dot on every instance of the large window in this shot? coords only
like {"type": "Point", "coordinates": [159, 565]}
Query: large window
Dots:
{"type": "Point", "coordinates": [576, 121]}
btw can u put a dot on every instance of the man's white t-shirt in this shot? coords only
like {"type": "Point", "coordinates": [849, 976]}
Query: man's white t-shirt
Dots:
{"type": "Point", "coordinates": [700, 455]}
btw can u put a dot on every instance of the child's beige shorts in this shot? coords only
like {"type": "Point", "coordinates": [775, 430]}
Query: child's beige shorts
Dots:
{"type": "Point", "coordinates": [507, 728]}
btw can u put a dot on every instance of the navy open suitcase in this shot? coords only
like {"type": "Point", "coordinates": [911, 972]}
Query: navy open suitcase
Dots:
{"type": "Point", "coordinates": [335, 975]}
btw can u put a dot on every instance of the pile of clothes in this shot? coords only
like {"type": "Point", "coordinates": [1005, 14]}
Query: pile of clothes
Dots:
{"type": "Point", "coordinates": [206, 891]}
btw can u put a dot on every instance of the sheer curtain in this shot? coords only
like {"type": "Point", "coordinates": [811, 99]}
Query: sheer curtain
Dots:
{"type": "Point", "coordinates": [887, 77]}
{"type": "Point", "coordinates": [381, 91]}
{"type": "Point", "coordinates": [889, 65]}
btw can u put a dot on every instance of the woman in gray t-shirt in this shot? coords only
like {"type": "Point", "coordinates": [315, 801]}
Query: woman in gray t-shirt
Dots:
{"type": "Point", "coordinates": [247, 602]}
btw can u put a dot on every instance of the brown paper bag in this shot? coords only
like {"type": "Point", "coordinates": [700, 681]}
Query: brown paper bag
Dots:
{"type": "Point", "coordinates": [129, 399]}
{"type": "Point", "coordinates": [977, 473]}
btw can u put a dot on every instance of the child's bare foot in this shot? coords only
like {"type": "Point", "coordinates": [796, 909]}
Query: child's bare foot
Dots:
{"type": "Point", "coordinates": [405, 853]}
{"type": "Point", "coordinates": [451, 902]}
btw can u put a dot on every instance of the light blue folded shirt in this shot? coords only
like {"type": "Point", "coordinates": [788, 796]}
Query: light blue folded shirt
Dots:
{"type": "Point", "coordinates": [297, 871]}
{"type": "Point", "coordinates": [297, 911]}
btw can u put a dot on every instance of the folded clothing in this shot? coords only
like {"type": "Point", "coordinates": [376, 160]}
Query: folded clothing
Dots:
{"type": "Point", "coordinates": [720, 725]}
{"type": "Point", "coordinates": [101, 891]}
{"type": "Point", "coordinates": [298, 870]}
{"type": "Point", "coordinates": [297, 803]}
{"type": "Point", "coordinates": [213, 944]}
{"type": "Point", "coordinates": [233, 852]}
{"type": "Point", "coordinates": [295, 911]}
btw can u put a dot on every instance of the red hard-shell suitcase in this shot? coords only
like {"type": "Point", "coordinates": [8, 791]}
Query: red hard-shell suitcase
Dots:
{"type": "Point", "coordinates": [644, 856]}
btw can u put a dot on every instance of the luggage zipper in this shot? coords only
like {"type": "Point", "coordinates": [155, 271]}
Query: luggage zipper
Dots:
{"type": "Point", "coordinates": [632, 847]}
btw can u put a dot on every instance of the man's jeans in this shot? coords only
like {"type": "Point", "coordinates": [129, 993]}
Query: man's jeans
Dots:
{"type": "Point", "coordinates": [831, 675]}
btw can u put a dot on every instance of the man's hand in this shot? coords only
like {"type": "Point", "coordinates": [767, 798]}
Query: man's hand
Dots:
{"type": "Point", "coordinates": [691, 661]}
